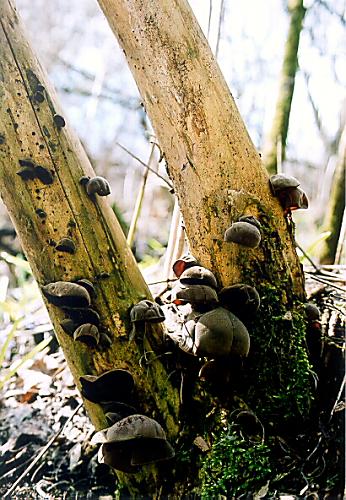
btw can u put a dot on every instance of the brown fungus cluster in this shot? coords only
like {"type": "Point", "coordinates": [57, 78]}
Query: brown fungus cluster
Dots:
{"type": "Point", "coordinates": [286, 188]}
{"type": "Point", "coordinates": [81, 321]}
{"type": "Point", "coordinates": [132, 439]}
{"type": "Point", "coordinates": [212, 329]}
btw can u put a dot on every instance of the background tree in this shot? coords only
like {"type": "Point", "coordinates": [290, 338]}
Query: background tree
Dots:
{"type": "Point", "coordinates": [275, 151]}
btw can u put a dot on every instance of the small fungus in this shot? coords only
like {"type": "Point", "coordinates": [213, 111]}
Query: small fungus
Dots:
{"type": "Point", "coordinates": [43, 174]}
{"type": "Point", "coordinates": [184, 263]}
{"type": "Point", "coordinates": [251, 220]}
{"type": "Point", "coordinates": [243, 300]}
{"type": "Point", "coordinates": [41, 213]}
{"type": "Point", "coordinates": [113, 385]}
{"type": "Point", "coordinates": [87, 285]}
{"type": "Point", "coordinates": [66, 245]}
{"type": "Point", "coordinates": [198, 275]}
{"type": "Point", "coordinates": [82, 315]}
{"type": "Point", "coordinates": [88, 334]}
{"type": "Point", "coordinates": [84, 180]}
{"type": "Point", "coordinates": [147, 311]}
{"type": "Point", "coordinates": [281, 182]}
{"type": "Point", "coordinates": [312, 312]}
{"type": "Point", "coordinates": [293, 199]}
{"type": "Point", "coordinates": [38, 97]}
{"type": "Point", "coordinates": [201, 297]}
{"type": "Point", "coordinates": [26, 162]}
{"type": "Point", "coordinates": [98, 185]}
{"type": "Point", "coordinates": [59, 121]}
{"type": "Point", "coordinates": [66, 294]}
{"type": "Point", "coordinates": [243, 233]}
{"type": "Point", "coordinates": [118, 411]}
{"type": "Point", "coordinates": [26, 173]}
{"type": "Point", "coordinates": [68, 325]}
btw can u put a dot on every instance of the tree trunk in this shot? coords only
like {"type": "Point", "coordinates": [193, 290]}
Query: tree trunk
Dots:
{"type": "Point", "coordinates": [215, 168]}
{"type": "Point", "coordinates": [336, 206]}
{"type": "Point", "coordinates": [276, 148]}
{"type": "Point", "coordinates": [44, 213]}
{"type": "Point", "coordinates": [218, 176]}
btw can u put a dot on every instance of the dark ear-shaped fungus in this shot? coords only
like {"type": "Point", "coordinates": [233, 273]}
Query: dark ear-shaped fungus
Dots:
{"type": "Point", "coordinates": [133, 441]}
{"type": "Point", "coordinates": [66, 294]}
{"type": "Point", "coordinates": [243, 300]}
{"type": "Point", "coordinates": [184, 263]}
{"type": "Point", "coordinates": [198, 275]}
{"type": "Point", "coordinates": [243, 233]}
{"type": "Point", "coordinates": [113, 385]}
{"type": "Point", "coordinates": [98, 185]}
{"type": "Point", "coordinates": [88, 334]}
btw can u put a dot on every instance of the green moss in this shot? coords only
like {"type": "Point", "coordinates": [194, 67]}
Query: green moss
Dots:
{"type": "Point", "coordinates": [234, 466]}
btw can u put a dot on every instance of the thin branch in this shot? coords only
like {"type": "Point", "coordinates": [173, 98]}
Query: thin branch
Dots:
{"type": "Point", "coordinates": [144, 165]}
{"type": "Point", "coordinates": [139, 199]}
{"type": "Point", "coordinates": [221, 19]}
{"type": "Point", "coordinates": [209, 17]}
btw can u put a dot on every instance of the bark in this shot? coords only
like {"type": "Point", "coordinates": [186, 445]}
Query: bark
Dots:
{"type": "Point", "coordinates": [276, 148]}
{"type": "Point", "coordinates": [215, 167]}
{"type": "Point", "coordinates": [336, 206]}
{"type": "Point", "coordinates": [44, 213]}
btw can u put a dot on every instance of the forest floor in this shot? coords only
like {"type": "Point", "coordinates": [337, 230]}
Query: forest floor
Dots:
{"type": "Point", "coordinates": [46, 447]}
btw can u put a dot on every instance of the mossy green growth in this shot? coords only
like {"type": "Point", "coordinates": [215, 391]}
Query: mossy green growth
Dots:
{"type": "Point", "coordinates": [234, 466]}
{"type": "Point", "coordinates": [279, 374]}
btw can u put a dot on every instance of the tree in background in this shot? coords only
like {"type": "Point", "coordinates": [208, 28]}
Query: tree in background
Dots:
{"type": "Point", "coordinates": [275, 150]}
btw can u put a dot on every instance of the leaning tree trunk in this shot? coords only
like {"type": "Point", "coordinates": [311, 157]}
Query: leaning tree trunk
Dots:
{"type": "Point", "coordinates": [32, 132]}
{"type": "Point", "coordinates": [275, 149]}
{"type": "Point", "coordinates": [218, 176]}
{"type": "Point", "coordinates": [336, 206]}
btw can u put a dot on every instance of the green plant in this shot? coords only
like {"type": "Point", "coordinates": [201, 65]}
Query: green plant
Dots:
{"type": "Point", "coordinates": [234, 466]}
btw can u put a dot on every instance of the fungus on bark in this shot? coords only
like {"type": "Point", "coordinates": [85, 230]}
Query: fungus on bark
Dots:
{"type": "Point", "coordinates": [66, 294]}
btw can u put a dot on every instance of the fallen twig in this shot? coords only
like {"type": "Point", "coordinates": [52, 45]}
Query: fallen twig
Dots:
{"type": "Point", "coordinates": [41, 453]}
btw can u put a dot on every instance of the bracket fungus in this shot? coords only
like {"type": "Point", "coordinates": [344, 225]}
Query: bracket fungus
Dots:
{"type": "Point", "coordinates": [88, 334]}
{"type": "Point", "coordinates": [312, 312]}
{"type": "Point", "coordinates": [243, 233]}
{"type": "Point", "coordinates": [143, 312]}
{"type": "Point", "coordinates": [285, 187]}
{"type": "Point", "coordinates": [98, 185]}
{"type": "Point", "coordinates": [281, 182]}
{"type": "Point", "coordinates": [88, 285]}
{"type": "Point", "coordinates": [242, 300]}
{"type": "Point", "coordinates": [201, 297]}
{"type": "Point", "coordinates": [118, 411]}
{"type": "Point", "coordinates": [293, 199]}
{"type": "Point", "coordinates": [220, 333]}
{"type": "Point", "coordinates": [198, 275]}
{"type": "Point", "coordinates": [111, 386]}
{"type": "Point", "coordinates": [66, 245]}
{"type": "Point", "coordinates": [66, 294]}
{"type": "Point", "coordinates": [134, 441]}
{"type": "Point", "coordinates": [184, 263]}
{"type": "Point", "coordinates": [81, 315]}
